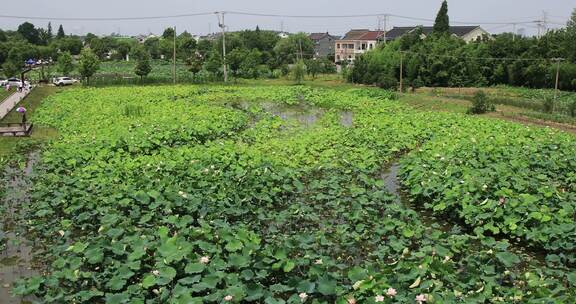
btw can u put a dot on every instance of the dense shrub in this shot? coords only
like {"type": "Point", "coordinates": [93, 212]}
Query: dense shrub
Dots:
{"type": "Point", "coordinates": [388, 82]}
{"type": "Point", "coordinates": [481, 104]}
{"type": "Point", "coordinates": [548, 104]}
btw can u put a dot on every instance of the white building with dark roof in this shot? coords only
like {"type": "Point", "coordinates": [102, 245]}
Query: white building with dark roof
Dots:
{"type": "Point", "coordinates": [466, 33]}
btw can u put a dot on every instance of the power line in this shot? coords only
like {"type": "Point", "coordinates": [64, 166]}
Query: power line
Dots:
{"type": "Point", "coordinates": [372, 15]}
{"type": "Point", "coordinates": [302, 16]}
{"type": "Point", "coordinates": [254, 15]}
{"type": "Point", "coordinates": [107, 18]}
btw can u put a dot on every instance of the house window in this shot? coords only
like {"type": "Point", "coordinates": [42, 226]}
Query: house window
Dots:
{"type": "Point", "coordinates": [337, 57]}
{"type": "Point", "coordinates": [363, 46]}
{"type": "Point", "coordinates": [351, 46]}
{"type": "Point", "coordinates": [371, 46]}
{"type": "Point", "coordinates": [337, 45]}
{"type": "Point", "coordinates": [349, 56]}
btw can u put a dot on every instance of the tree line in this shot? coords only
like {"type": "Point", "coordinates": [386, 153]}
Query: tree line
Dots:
{"type": "Point", "coordinates": [250, 53]}
{"type": "Point", "coordinates": [442, 60]}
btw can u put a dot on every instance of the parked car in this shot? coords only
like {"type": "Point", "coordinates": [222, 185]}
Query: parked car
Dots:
{"type": "Point", "coordinates": [13, 82]}
{"type": "Point", "coordinates": [62, 81]}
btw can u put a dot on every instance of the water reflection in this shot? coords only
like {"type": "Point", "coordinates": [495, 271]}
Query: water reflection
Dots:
{"type": "Point", "coordinates": [16, 260]}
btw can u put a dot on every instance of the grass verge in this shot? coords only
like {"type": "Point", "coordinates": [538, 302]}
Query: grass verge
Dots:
{"type": "Point", "coordinates": [10, 147]}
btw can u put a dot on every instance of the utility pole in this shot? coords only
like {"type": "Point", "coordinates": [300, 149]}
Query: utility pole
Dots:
{"type": "Point", "coordinates": [300, 46]}
{"type": "Point", "coordinates": [401, 70]}
{"type": "Point", "coordinates": [513, 32]}
{"type": "Point", "coordinates": [557, 78]}
{"type": "Point", "coordinates": [385, 27]}
{"type": "Point", "coordinates": [174, 59]}
{"type": "Point", "coordinates": [222, 25]}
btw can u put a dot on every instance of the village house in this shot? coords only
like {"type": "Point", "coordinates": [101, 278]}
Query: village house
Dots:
{"type": "Point", "coordinates": [323, 44]}
{"type": "Point", "coordinates": [143, 38]}
{"type": "Point", "coordinates": [356, 42]}
{"type": "Point", "coordinates": [466, 33]}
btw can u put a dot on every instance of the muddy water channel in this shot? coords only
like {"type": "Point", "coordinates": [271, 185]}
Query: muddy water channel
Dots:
{"type": "Point", "coordinates": [304, 115]}
{"type": "Point", "coordinates": [16, 254]}
{"type": "Point", "coordinates": [392, 184]}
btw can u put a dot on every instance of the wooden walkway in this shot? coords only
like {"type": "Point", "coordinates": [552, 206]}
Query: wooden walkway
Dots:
{"type": "Point", "coordinates": [15, 129]}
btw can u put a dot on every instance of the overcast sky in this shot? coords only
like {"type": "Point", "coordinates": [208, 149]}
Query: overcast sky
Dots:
{"type": "Point", "coordinates": [470, 11]}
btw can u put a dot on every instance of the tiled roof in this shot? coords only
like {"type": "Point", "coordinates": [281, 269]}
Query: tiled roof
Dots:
{"type": "Point", "coordinates": [363, 35]}
{"type": "Point", "coordinates": [320, 36]}
{"type": "Point", "coordinates": [397, 32]}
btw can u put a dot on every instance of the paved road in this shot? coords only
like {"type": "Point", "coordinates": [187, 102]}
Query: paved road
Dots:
{"type": "Point", "coordinates": [10, 102]}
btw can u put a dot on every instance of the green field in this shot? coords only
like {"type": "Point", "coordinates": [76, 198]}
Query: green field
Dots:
{"type": "Point", "coordinates": [4, 94]}
{"type": "Point", "coordinates": [291, 194]}
{"type": "Point", "coordinates": [532, 100]}
{"type": "Point", "coordinates": [122, 73]}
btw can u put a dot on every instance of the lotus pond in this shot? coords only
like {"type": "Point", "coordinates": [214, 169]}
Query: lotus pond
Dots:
{"type": "Point", "coordinates": [223, 194]}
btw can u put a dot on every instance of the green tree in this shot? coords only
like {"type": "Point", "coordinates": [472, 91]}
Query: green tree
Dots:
{"type": "Point", "coordinates": [10, 69]}
{"type": "Point", "coordinates": [68, 44]}
{"type": "Point", "coordinates": [481, 104]}
{"type": "Point", "coordinates": [152, 45]}
{"type": "Point", "coordinates": [571, 25]}
{"type": "Point", "coordinates": [60, 33]}
{"type": "Point", "coordinates": [102, 46]}
{"type": "Point", "coordinates": [49, 31]}
{"type": "Point", "coordinates": [88, 64]}
{"type": "Point", "coordinates": [314, 67]}
{"type": "Point", "coordinates": [442, 23]}
{"type": "Point", "coordinates": [204, 47]}
{"type": "Point", "coordinates": [186, 46]}
{"type": "Point", "coordinates": [89, 37]}
{"type": "Point", "coordinates": [19, 52]}
{"type": "Point", "coordinates": [250, 64]}
{"type": "Point", "coordinates": [167, 48]}
{"type": "Point", "coordinates": [43, 37]}
{"type": "Point", "coordinates": [194, 63]}
{"type": "Point", "coordinates": [288, 49]}
{"type": "Point", "coordinates": [123, 48]}
{"type": "Point", "coordinates": [299, 71]}
{"type": "Point", "coordinates": [235, 59]}
{"type": "Point", "coordinates": [65, 64]}
{"type": "Point", "coordinates": [29, 32]}
{"type": "Point", "coordinates": [214, 64]}
{"type": "Point", "coordinates": [143, 66]}
{"type": "Point", "coordinates": [168, 33]}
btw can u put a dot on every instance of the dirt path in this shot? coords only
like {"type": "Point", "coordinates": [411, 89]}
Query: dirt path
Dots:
{"type": "Point", "coordinates": [16, 259]}
{"type": "Point", "coordinates": [426, 102]}
{"type": "Point", "coordinates": [519, 118]}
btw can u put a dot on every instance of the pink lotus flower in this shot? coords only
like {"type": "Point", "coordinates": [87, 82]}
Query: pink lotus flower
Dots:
{"type": "Point", "coordinates": [303, 296]}
{"type": "Point", "coordinates": [228, 298]}
{"type": "Point", "coordinates": [379, 298]}
{"type": "Point", "coordinates": [205, 260]}
{"type": "Point", "coordinates": [420, 298]}
{"type": "Point", "coordinates": [351, 301]}
{"type": "Point", "coordinates": [391, 292]}
{"type": "Point", "coordinates": [502, 201]}
{"type": "Point", "coordinates": [21, 110]}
